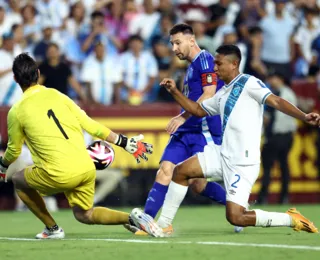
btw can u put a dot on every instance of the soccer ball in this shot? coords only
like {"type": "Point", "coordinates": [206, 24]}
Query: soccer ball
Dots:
{"type": "Point", "coordinates": [102, 154]}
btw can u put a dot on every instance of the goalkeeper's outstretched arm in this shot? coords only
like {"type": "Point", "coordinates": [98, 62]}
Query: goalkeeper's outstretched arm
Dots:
{"type": "Point", "coordinates": [132, 145]}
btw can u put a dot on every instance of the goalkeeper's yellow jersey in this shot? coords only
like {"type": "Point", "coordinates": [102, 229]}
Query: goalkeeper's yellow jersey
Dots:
{"type": "Point", "coordinates": [51, 125]}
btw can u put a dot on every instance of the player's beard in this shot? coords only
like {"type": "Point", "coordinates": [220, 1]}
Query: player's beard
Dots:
{"type": "Point", "coordinates": [181, 56]}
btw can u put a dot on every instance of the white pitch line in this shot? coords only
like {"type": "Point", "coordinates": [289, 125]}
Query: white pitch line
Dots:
{"type": "Point", "coordinates": [298, 247]}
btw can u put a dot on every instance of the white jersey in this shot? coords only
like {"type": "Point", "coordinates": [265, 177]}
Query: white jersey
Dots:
{"type": "Point", "coordinates": [102, 76]}
{"type": "Point", "coordinates": [240, 105]}
{"type": "Point", "coordinates": [10, 91]}
{"type": "Point", "coordinates": [137, 71]}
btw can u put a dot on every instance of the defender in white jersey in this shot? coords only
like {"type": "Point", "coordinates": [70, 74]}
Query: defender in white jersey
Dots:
{"type": "Point", "coordinates": [240, 105]}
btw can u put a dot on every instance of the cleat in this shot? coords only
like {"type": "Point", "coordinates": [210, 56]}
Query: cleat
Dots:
{"type": "Point", "coordinates": [299, 222]}
{"type": "Point", "coordinates": [141, 233]}
{"type": "Point", "coordinates": [146, 223]}
{"type": "Point", "coordinates": [168, 231]}
{"type": "Point", "coordinates": [237, 229]}
{"type": "Point", "coordinates": [47, 234]}
{"type": "Point", "coordinates": [135, 230]}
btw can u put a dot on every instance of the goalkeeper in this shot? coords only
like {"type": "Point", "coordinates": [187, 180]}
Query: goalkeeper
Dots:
{"type": "Point", "coordinates": [51, 125]}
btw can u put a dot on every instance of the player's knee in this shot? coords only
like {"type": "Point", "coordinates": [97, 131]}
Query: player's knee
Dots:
{"type": "Point", "coordinates": [18, 180]}
{"type": "Point", "coordinates": [235, 219]}
{"type": "Point", "coordinates": [164, 174]}
{"type": "Point", "coordinates": [83, 216]}
{"type": "Point", "coordinates": [179, 173]}
{"type": "Point", "coordinates": [197, 185]}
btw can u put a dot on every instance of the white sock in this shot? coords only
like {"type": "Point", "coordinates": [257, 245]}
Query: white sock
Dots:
{"type": "Point", "coordinates": [272, 219]}
{"type": "Point", "coordinates": [174, 197]}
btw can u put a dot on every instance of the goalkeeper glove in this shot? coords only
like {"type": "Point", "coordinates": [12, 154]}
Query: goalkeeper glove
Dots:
{"type": "Point", "coordinates": [134, 146]}
{"type": "Point", "coordinates": [3, 170]}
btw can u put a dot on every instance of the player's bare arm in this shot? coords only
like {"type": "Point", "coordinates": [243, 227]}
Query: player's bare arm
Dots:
{"type": "Point", "coordinates": [291, 110]}
{"type": "Point", "coordinates": [177, 121]}
{"type": "Point", "coordinates": [150, 84]}
{"type": "Point", "coordinates": [190, 106]}
{"type": "Point", "coordinates": [77, 88]}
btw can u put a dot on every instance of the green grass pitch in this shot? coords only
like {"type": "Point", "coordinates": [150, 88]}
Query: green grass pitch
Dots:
{"type": "Point", "coordinates": [201, 233]}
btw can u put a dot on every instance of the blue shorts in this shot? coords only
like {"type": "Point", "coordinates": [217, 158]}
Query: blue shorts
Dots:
{"type": "Point", "coordinates": [181, 146]}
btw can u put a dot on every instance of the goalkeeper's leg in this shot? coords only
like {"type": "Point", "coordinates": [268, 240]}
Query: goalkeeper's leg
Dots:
{"type": "Point", "coordinates": [100, 216]}
{"type": "Point", "coordinates": [81, 200]}
{"type": "Point", "coordinates": [35, 203]}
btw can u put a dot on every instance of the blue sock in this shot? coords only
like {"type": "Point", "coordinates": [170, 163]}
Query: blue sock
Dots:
{"type": "Point", "coordinates": [215, 192]}
{"type": "Point", "coordinates": [155, 199]}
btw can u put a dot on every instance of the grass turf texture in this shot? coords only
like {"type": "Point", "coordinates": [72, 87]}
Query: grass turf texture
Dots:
{"type": "Point", "coordinates": [206, 225]}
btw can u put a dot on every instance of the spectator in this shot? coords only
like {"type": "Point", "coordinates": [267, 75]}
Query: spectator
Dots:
{"type": "Point", "coordinates": [140, 71]}
{"type": "Point", "coordinates": [197, 19]}
{"type": "Point", "coordinates": [116, 22]}
{"type": "Point", "coordinates": [77, 19]}
{"type": "Point", "coordinates": [230, 36]}
{"type": "Point", "coordinates": [7, 19]}
{"type": "Point", "coordinates": [223, 12]}
{"type": "Point", "coordinates": [10, 92]}
{"type": "Point", "coordinates": [20, 43]}
{"type": "Point", "coordinates": [252, 11]}
{"type": "Point", "coordinates": [166, 23]}
{"type": "Point", "coordinates": [145, 23]}
{"type": "Point", "coordinates": [304, 37]}
{"type": "Point", "coordinates": [98, 33]}
{"type": "Point", "coordinates": [101, 76]}
{"type": "Point", "coordinates": [130, 11]}
{"type": "Point", "coordinates": [165, 64]}
{"type": "Point", "coordinates": [163, 57]}
{"type": "Point", "coordinates": [14, 10]}
{"type": "Point", "coordinates": [277, 51]}
{"type": "Point", "coordinates": [54, 10]}
{"type": "Point", "coordinates": [279, 130]}
{"type": "Point", "coordinates": [31, 24]}
{"type": "Point", "coordinates": [75, 25]}
{"type": "Point", "coordinates": [40, 50]}
{"type": "Point", "coordinates": [166, 7]}
{"type": "Point", "coordinates": [254, 66]}
{"type": "Point", "coordinates": [57, 74]}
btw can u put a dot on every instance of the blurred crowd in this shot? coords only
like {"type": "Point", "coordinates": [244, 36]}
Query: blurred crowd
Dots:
{"type": "Point", "coordinates": [116, 51]}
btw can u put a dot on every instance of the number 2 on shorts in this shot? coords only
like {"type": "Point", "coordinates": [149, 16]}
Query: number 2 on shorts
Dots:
{"type": "Point", "coordinates": [234, 184]}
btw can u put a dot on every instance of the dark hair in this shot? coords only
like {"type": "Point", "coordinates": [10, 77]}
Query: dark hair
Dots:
{"type": "Point", "coordinates": [229, 49]}
{"type": "Point", "coordinates": [313, 70]}
{"type": "Point", "coordinates": [96, 14]}
{"type": "Point", "coordinates": [135, 37]}
{"type": "Point", "coordinates": [53, 44]}
{"type": "Point", "coordinates": [277, 74]}
{"type": "Point", "coordinates": [25, 70]}
{"type": "Point", "coordinates": [310, 10]}
{"type": "Point", "coordinates": [14, 27]}
{"type": "Point", "coordinates": [181, 28]}
{"type": "Point", "coordinates": [254, 30]}
{"type": "Point", "coordinates": [72, 8]}
{"type": "Point", "coordinates": [34, 10]}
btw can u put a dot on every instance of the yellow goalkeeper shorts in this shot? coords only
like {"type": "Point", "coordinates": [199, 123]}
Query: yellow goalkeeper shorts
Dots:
{"type": "Point", "coordinates": [79, 189]}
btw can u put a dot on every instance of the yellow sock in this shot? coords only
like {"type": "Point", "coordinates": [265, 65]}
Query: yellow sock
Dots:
{"type": "Point", "coordinates": [105, 216]}
{"type": "Point", "coordinates": [35, 203]}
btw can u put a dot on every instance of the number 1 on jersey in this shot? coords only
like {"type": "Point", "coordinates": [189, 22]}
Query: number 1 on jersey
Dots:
{"type": "Point", "coordinates": [55, 119]}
